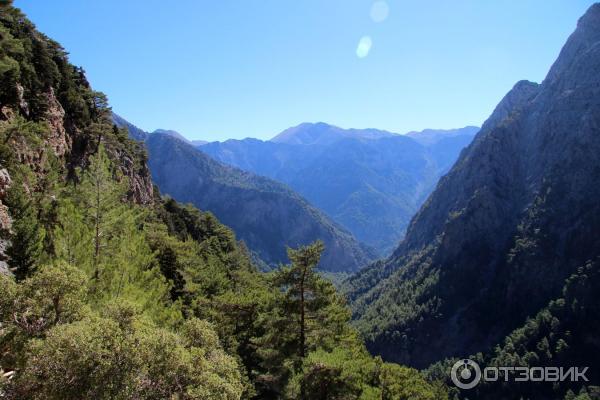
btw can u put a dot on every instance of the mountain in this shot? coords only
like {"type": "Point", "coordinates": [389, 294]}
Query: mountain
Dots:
{"type": "Point", "coordinates": [267, 215]}
{"type": "Point", "coordinates": [323, 134]}
{"type": "Point", "coordinates": [369, 181]}
{"type": "Point", "coordinates": [140, 135]}
{"type": "Point", "coordinates": [513, 222]}
{"type": "Point", "coordinates": [433, 136]}
{"type": "Point", "coordinates": [171, 133]}
{"type": "Point", "coordinates": [134, 132]}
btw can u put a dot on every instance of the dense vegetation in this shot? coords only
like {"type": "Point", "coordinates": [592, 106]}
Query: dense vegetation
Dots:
{"type": "Point", "coordinates": [562, 334]}
{"type": "Point", "coordinates": [115, 295]}
{"type": "Point", "coordinates": [109, 291]}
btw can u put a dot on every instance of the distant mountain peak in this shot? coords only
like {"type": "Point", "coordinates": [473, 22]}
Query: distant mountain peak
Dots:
{"type": "Point", "coordinates": [177, 135]}
{"type": "Point", "coordinates": [171, 133]}
{"type": "Point", "coordinates": [321, 133]}
{"type": "Point", "coordinates": [583, 40]}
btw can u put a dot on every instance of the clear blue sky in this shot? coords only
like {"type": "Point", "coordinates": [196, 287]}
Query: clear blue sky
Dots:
{"type": "Point", "coordinates": [218, 69]}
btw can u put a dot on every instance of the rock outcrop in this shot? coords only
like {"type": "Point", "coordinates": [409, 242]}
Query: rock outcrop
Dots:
{"type": "Point", "coordinates": [58, 139]}
{"type": "Point", "coordinates": [5, 220]}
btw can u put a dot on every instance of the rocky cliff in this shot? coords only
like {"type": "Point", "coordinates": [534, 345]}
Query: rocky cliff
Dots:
{"type": "Point", "coordinates": [5, 219]}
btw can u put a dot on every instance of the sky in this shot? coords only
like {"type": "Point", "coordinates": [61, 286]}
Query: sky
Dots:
{"type": "Point", "coordinates": [219, 69]}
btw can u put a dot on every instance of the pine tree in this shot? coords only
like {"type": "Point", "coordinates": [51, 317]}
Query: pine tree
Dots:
{"type": "Point", "coordinates": [132, 273]}
{"type": "Point", "coordinates": [307, 315]}
{"type": "Point", "coordinates": [302, 285]}
{"type": "Point", "coordinates": [27, 234]}
{"type": "Point", "coordinates": [169, 267]}
{"type": "Point", "coordinates": [100, 197]}
{"type": "Point", "coordinates": [72, 238]}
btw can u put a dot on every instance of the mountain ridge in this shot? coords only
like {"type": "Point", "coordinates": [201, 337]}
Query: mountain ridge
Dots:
{"type": "Point", "coordinates": [433, 136]}
{"type": "Point", "coordinates": [321, 133]}
{"type": "Point", "coordinates": [370, 186]}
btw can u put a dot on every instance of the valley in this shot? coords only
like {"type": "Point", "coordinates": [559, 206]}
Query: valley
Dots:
{"type": "Point", "coordinates": [323, 263]}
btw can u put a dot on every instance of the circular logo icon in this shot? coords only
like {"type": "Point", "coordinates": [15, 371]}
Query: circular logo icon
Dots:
{"type": "Point", "coordinates": [465, 374]}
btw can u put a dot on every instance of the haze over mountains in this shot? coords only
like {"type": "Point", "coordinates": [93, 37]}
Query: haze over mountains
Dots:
{"type": "Point", "coordinates": [266, 214]}
{"type": "Point", "coordinates": [369, 181]}
{"type": "Point", "coordinates": [321, 133]}
{"type": "Point", "coordinates": [510, 232]}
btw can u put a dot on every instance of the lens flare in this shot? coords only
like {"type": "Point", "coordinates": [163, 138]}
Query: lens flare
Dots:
{"type": "Point", "coordinates": [364, 46]}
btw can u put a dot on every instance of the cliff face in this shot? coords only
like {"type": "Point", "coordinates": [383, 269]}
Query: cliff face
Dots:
{"type": "Point", "coordinates": [5, 219]}
{"type": "Point", "coordinates": [55, 138]}
{"type": "Point", "coordinates": [513, 218]}
{"type": "Point", "coordinates": [72, 145]}
{"type": "Point", "coordinates": [141, 187]}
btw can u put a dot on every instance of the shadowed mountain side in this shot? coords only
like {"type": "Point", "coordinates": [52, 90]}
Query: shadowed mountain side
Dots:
{"type": "Point", "coordinates": [265, 214]}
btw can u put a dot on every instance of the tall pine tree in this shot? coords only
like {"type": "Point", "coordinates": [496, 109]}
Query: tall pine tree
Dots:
{"type": "Point", "coordinates": [307, 315]}
{"type": "Point", "coordinates": [27, 234]}
{"type": "Point", "coordinates": [101, 200]}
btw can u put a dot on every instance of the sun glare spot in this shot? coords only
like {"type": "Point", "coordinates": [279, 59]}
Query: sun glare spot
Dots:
{"type": "Point", "coordinates": [364, 46]}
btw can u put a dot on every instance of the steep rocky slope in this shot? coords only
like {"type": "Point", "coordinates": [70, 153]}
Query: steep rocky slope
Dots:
{"type": "Point", "coordinates": [369, 181]}
{"type": "Point", "coordinates": [516, 215]}
{"type": "Point", "coordinates": [5, 220]}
